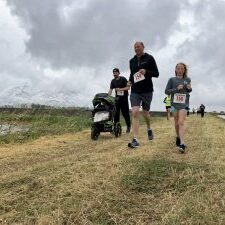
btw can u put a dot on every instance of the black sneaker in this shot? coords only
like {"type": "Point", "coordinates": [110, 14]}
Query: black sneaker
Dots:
{"type": "Point", "coordinates": [128, 130]}
{"type": "Point", "coordinates": [150, 135]}
{"type": "Point", "coordinates": [182, 148]}
{"type": "Point", "coordinates": [177, 141]}
{"type": "Point", "coordinates": [133, 144]}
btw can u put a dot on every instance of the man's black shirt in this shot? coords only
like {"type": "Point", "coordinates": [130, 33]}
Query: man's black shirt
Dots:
{"type": "Point", "coordinates": [120, 83]}
{"type": "Point", "coordinates": [148, 63]}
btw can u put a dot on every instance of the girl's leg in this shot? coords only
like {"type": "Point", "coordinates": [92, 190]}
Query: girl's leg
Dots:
{"type": "Point", "coordinates": [181, 128]}
{"type": "Point", "coordinates": [175, 116]}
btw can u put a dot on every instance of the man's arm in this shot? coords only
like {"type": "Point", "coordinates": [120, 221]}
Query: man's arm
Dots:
{"type": "Point", "coordinates": [152, 68]}
{"type": "Point", "coordinates": [111, 88]}
{"type": "Point", "coordinates": [110, 91]}
{"type": "Point", "coordinates": [125, 84]}
{"type": "Point", "coordinates": [131, 79]}
{"type": "Point", "coordinates": [127, 88]}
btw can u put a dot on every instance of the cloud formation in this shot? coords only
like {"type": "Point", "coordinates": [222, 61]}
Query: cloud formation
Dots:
{"type": "Point", "coordinates": [69, 35]}
{"type": "Point", "coordinates": [68, 48]}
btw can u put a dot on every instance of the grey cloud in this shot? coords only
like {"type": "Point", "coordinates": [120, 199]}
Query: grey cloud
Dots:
{"type": "Point", "coordinates": [204, 53]}
{"type": "Point", "coordinates": [207, 45]}
{"type": "Point", "coordinates": [91, 36]}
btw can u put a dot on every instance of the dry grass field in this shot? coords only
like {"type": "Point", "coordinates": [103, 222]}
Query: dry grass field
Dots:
{"type": "Point", "coordinates": [70, 179]}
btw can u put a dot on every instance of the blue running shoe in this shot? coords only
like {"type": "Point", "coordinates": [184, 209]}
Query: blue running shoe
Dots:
{"type": "Point", "coordinates": [133, 144]}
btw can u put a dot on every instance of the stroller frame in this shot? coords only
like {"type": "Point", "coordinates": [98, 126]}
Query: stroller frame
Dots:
{"type": "Point", "coordinates": [103, 103]}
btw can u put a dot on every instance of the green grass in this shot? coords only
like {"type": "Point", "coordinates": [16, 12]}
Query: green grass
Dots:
{"type": "Point", "coordinates": [41, 124]}
{"type": "Point", "coordinates": [158, 176]}
{"type": "Point", "coordinates": [79, 181]}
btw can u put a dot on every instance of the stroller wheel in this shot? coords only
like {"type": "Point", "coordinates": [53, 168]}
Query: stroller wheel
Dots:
{"type": "Point", "coordinates": [118, 130]}
{"type": "Point", "coordinates": [94, 133]}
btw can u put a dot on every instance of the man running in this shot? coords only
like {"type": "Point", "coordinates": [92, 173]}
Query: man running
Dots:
{"type": "Point", "coordinates": [142, 68]}
{"type": "Point", "coordinates": [119, 83]}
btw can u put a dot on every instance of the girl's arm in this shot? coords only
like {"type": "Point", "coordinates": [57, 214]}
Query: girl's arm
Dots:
{"type": "Point", "coordinates": [189, 88]}
{"type": "Point", "coordinates": [169, 88]}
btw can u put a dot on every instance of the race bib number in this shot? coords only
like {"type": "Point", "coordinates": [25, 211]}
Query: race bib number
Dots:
{"type": "Point", "coordinates": [138, 77]}
{"type": "Point", "coordinates": [120, 93]}
{"type": "Point", "coordinates": [179, 98]}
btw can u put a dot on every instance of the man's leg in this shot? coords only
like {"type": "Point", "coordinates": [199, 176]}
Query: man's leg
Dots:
{"type": "Point", "coordinates": [117, 114]}
{"type": "Point", "coordinates": [126, 114]}
{"type": "Point", "coordinates": [146, 103]}
{"type": "Point", "coordinates": [135, 120]}
{"type": "Point", "coordinates": [135, 125]}
{"type": "Point", "coordinates": [146, 115]}
{"type": "Point", "coordinates": [135, 101]}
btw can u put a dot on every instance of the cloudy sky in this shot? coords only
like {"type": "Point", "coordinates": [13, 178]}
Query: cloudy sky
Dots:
{"type": "Point", "coordinates": [62, 52]}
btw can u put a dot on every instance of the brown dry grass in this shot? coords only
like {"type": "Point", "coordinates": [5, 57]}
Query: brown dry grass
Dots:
{"type": "Point", "coordinates": [70, 179]}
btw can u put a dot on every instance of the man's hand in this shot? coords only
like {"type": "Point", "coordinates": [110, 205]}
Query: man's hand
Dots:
{"type": "Point", "coordinates": [117, 89]}
{"type": "Point", "coordinates": [142, 71]}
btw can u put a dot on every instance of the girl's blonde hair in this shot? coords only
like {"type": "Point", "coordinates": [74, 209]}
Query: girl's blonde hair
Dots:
{"type": "Point", "coordinates": [185, 69]}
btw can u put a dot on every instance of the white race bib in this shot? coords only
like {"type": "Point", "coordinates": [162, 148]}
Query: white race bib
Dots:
{"type": "Point", "coordinates": [179, 98]}
{"type": "Point", "coordinates": [138, 77]}
{"type": "Point", "coordinates": [120, 93]}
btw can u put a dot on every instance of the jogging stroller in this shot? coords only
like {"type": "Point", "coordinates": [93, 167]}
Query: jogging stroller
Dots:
{"type": "Point", "coordinates": [103, 116]}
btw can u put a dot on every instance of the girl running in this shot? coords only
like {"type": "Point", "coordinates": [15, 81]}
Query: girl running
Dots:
{"type": "Point", "coordinates": [179, 88]}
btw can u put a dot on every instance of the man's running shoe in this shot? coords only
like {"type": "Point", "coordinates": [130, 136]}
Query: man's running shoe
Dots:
{"type": "Point", "coordinates": [177, 141]}
{"type": "Point", "coordinates": [133, 144]}
{"type": "Point", "coordinates": [182, 148]}
{"type": "Point", "coordinates": [150, 134]}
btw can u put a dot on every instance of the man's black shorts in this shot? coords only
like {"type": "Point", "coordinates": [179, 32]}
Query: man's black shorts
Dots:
{"type": "Point", "coordinates": [141, 99]}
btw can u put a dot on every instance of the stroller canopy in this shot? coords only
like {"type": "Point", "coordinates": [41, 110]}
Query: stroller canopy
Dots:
{"type": "Point", "coordinates": [103, 98]}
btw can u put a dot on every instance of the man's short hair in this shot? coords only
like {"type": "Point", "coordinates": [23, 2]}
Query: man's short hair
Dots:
{"type": "Point", "coordinates": [140, 42]}
{"type": "Point", "coordinates": [116, 70]}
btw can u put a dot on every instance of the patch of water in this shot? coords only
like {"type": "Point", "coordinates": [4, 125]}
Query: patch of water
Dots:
{"type": "Point", "coordinates": [11, 129]}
